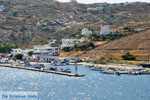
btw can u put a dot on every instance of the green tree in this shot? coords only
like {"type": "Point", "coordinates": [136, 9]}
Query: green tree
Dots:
{"type": "Point", "coordinates": [19, 56]}
{"type": "Point", "coordinates": [7, 48]}
{"type": "Point", "coordinates": [128, 56]}
{"type": "Point", "coordinates": [66, 49]}
{"type": "Point", "coordinates": [94, 37]}
{"type": "Point", "coordinates": [30, 53]}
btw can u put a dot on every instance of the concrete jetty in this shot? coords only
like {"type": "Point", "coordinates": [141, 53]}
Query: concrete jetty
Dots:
{"type": "Point", "coordinates": [42, 70]}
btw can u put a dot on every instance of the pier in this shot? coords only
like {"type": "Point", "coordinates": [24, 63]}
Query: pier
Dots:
{"type": "Point", "coordinates": [43, 70]}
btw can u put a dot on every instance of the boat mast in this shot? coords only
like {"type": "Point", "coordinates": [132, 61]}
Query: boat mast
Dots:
{"type": "Point", "coordinates": [76, 66]}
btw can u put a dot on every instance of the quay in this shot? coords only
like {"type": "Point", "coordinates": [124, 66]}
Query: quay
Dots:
{"type": "Point", "coordinates": [43, 70]}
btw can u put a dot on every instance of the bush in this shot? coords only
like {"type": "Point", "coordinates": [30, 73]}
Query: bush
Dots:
{"type": "Point", "coordinates": [19, 56]}
{"type": "Point", "coordinates": [94, 37]}
{"type": "Point", "coordinates": [101, 60]}
{"type": "Point", "coordinates": [66, 49]}
{"type": "Point", "coordinates": [15, 14]}
{"type": "Point", "coordinates": [55, 45]}
{"type": "Point", "coordinates": [109, 60]}
{"type": "Point", "coordinates": [42, 42]}
{"type": "Point", "coordinates": [128, 56]}
{"type": "Point", "coordinates": [30, 53]}
{"type": "Point", "coordinates": [23, 29]}
{"type": "Point", "coordinates": [84, 46]}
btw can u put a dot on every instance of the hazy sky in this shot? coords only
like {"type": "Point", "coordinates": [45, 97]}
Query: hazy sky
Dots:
{"type": "Point", "coordinates": [108, 1]}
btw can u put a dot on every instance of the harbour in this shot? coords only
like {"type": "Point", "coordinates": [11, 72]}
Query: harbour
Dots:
{"type": "Point", "coordinates": [42, 70]}
{"type": "Point", "coordinates": [93, 86]}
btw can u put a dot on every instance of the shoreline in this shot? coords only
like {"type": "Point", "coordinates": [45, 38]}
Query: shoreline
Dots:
{"type": "Point", "coordinates": [114, 65]}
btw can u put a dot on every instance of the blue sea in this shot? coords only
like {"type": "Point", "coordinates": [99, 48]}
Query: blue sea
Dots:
{"type": "Point", "coordinates": [93, 86]}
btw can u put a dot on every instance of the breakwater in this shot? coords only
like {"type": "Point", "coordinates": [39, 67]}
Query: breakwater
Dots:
{"type": "Point", "coordinates": [43, 70]}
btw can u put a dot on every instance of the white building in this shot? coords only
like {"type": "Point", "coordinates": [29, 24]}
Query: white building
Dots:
{"type": "Point", "coordinates": [83, 39]}
{"type": "Point", "coordinates": [38, 50]}
{"type": "Point", "coordinates": [2, 8]}
{"type": "Point", "coordinates": [86, 32]}
{"type": "Point", "coordinates": [105, 30]}
{"type": "Point", "coordinates": [45, 50]}
{"type": "Point", "coordinates": [52, 42]}
{"type": "Point", "coordinates": [95, 9]}
{"type": "Point", "coordinates": [99, 8]}
{"type": "Point", "coordinates": [20, 51]}
{"type": "Point", "coordinates": [69, 43]}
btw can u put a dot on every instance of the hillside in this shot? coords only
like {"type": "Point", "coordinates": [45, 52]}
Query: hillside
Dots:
{"type": "Point", "coordinates": [29, 22]}
{"type": "Point", "coordinates": [137, 44]}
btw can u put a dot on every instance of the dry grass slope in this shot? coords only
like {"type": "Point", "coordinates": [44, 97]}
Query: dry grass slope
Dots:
{"type": "Point", "coordinates": [137, 44]}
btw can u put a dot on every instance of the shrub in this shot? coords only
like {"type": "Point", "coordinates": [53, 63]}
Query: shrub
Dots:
{"type": "Point", "coordinates": [30, 53]}
{"type": "Point", "coordinates": [101, 60]}
{"type": "Point", "coordinates": [66, 49]}
{"type": "Point", "coordinates": [85, 46]}
{"type": "Point", "coordinates": [15, 14]}
{"type": "Point", "coordinates": [128, 56]}
{"type": "Point", "coordinates": [109, 60]}
{"type": "Point", "coordinates": [55, 45]}
{"type": "Point", "coordinates": [42, 42]}
{"type": "Point", "coordinates": [23, 29]}
{"type": "Point", "coordinates": [19, 56]}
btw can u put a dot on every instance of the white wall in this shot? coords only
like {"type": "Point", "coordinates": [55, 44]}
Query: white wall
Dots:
{"type": "Point", "coordinates": [105, 30]}
{"type": "Point", "coordinates": [86, 32]}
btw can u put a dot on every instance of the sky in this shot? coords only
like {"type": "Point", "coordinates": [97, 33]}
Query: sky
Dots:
{"type": "Point", "coordinates": [108, 1]}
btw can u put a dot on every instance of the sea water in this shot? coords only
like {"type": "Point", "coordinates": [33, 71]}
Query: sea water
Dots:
{"type": "Point", "coordinates": [93, 86]}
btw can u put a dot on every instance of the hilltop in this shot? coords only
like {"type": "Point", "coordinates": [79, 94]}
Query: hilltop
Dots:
{"type": "Point", "coordinates": [29, 22]}
{"type": "Point", "coordinates": [137, 44]}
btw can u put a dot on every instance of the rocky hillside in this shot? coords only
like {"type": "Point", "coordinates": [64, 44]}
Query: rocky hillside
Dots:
{"type": "Point", "coordinates": [28, 22]}
{"type": "Point", "coordinates": [137, 44]}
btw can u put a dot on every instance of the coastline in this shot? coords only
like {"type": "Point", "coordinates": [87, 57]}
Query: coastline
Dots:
{"type": "Point", "coordinates": [114, 65]}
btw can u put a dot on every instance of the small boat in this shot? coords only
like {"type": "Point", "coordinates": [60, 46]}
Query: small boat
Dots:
{"type": "Point", "coordinates": [53, 69]}
{"type": "Point", "coordinates": [117, 73]}
{"type": "Point", "coordinates": [67, 70]}
{"type": "Point", "coordinates": [98, 69]}
{"type": "Point", "coordinates": [108, 72]}
{"type": "Point", "coordinates": [91, 66]}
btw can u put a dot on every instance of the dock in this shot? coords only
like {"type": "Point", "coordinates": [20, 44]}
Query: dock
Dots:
{"type": "Point", "coordinates": [43, 70]}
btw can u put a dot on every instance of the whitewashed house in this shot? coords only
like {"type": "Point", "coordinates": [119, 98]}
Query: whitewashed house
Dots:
{"type": "Point", "coordinates": [83, 39]}
{"type": "Point", "coordinates": [91, 9]}
{"type": "Point", "coordinates": [52, 42]}
{"type": "Point", "coordinates": [69, 43]}
{"type": "Point", "coordinates": [105, 30]}
{"type": "Point", "coordinates": [138, 29]}
{"type": "Point", "coordinates": [95, 9]}
{"type": "Point", "coordinates": [2, 8]}
{"type": "Point", "coordinates": [99, 8]}
{"type": "Point", "coordinates": [86, 32]}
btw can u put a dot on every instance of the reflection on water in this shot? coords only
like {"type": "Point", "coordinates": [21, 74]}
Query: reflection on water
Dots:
{"type": "Point", "coordinates": [94, 86]}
